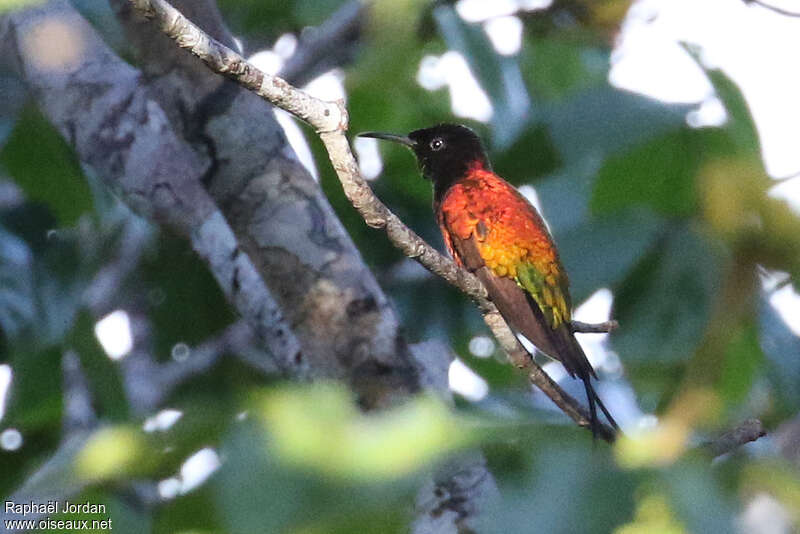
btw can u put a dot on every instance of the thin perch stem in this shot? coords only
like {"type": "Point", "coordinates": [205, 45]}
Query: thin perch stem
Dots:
{"type": "Point", "coordinates": [776, 9]}
{"type": "Point", "coordinates": [594, 328]}
{"type": "Point", "coordinates": [749, 430]}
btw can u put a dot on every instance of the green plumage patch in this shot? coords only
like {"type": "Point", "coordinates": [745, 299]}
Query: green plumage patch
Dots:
{"type": "Point", "coordinates": [550, 298]}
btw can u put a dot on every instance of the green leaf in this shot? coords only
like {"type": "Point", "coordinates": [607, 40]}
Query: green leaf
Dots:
{"type": "Point", "coordinates": [500, 76]}
{"type": "Point", "coordinates": [665, 303]}
{"type": "Point", "coordinates": [743, 359]}
{"type": "Point", "coordinates": [564, 195]}
{"type": "Point", "coordinates": [568, 490]}
{"type": "Point", "coordinates": [658, 174]}
{"type": "Point", "coordinates": [256, 492]}
{"type": "Point", "coordinates": [195, 512]}
{"type": "Point", "coordinates": [267, 20]}
{"type": "Point", "coordinates": [46, 168]}
{"type": "Point", "coordinates": [558, 66]}
{"type": "Point", "coordinates": [176, 280]}
{"type": "Point", "coordinates": [114, 453]}
{"type": "Point", "coordinates": [320, 427]}
{"type": "Point", "coordinates": [603, 120]}
{"type": "Point", "coordinates": [740, 123]}
{"type": "Point", "coordinates": [602, 251]}
{"type": "Point", "coordinates": [8, 5]}
{"type": "Point", "coordinates": [35, 401]}
{"type": "Point", "coordinates": [740, 127]}
{"type": "Point", "coordinates": [653, 514]}
{"type": "Point", "coordinates": [531, 157]}
{"type": "Point", "coordinates": [315, 12]}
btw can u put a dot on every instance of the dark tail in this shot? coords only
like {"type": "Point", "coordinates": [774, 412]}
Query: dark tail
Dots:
{"type": "Point", "coordinates": [523, 314]}
{"type": "Point", "coordinates": [594, 402]}
{"type": "Point", "coordinates": [577, 365]}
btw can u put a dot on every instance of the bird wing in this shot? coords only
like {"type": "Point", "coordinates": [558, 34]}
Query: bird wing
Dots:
{"type": "Point", "coordinates": [511, 300]}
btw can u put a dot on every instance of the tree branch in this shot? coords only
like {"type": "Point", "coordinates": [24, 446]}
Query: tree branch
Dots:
{"type": "Point", "coordinates": [749, 430]}
{"type": "Point", "coordinates": [776, 9]}
{"type": "Point", "coordinates": [590, 328]}
{"type": "Point", "coordinates": [280, 216]}
{"type": "Point", "coordinates": [323, 116]}
{"type": "Point", "coordinates": [448, 503]}
{"type": "Point", "coordinates": [96, 102]}
{"type": "Point", "coordinates": [326, 46]}
{"type": "Point", "coordinates": [330, 120]}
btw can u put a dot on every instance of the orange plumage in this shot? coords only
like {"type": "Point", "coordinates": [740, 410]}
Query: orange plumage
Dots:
{"type": "Point", "coordinates": [510, 235]}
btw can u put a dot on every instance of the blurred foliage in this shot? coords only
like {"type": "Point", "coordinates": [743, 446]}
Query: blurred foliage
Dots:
{"type": "Point", "coordinates": [55, 180]}
{"type": "Point", "coordinates": [653, 514]}
{"type": "Point", "coordinates": [7, 5]}
{"type": "Point", "coordinates": [676, 221]}
{"type": "Point", "coordinates": [499, 76]}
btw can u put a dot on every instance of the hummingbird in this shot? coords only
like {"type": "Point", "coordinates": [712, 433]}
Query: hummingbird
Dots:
{"type": "Point", "coordinates": [493, 231]}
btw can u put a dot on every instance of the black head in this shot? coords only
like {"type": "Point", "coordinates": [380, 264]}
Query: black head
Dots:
{"type": "Point", "coordinates": [445, 152]}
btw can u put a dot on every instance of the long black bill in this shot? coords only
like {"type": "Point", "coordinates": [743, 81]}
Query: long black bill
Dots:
{"type": "Point", "coordinates": [402, 139]}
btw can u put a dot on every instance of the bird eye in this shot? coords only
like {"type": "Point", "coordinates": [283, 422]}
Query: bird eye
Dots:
{"type": "Point", "coordinates": [437, 143]}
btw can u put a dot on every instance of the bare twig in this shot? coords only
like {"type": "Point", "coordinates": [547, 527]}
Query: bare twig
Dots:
{"type": "Point", "coordinates": [776, 9]}
{"type": "Point", "coordinates": [747, 431]}
{"type": "Point", "coordinates": [785, 177]}
{"type": "Point", "coordinates": [326, 46]}
{"type": "Point", "coordinates": [591, 328]}
{"type": "Point", "coordinates": [330, 120]}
